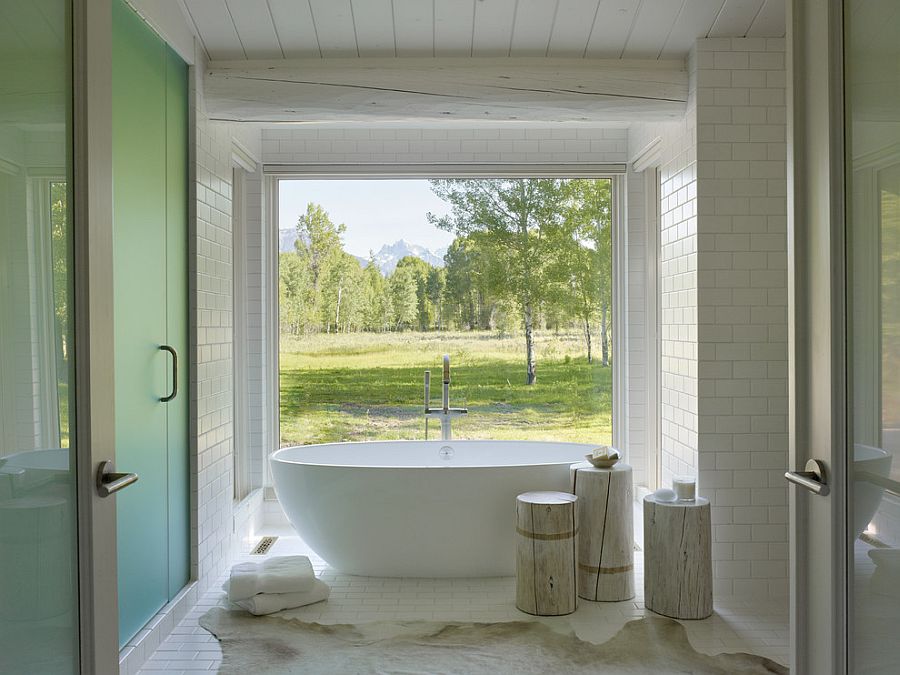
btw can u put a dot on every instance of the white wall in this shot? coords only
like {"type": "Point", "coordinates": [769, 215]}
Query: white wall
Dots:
{"type": "Point", "coordinates": [742, 315]}
{"type": "Point", "coordinates": [677, 284]}
{"type": "Point", "coordinates": [724, 304]}
{"type": "Point", "coordinates": [495, 145]}
{"type": "Point", "coordinates": [211, 324]}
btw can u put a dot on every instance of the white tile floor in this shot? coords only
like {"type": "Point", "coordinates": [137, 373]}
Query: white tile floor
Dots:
{"type": "Point", "coordinates": [758, 626]}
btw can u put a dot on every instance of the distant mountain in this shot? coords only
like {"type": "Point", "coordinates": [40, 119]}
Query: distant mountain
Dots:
{"type": "Point", "coordinates": [390, 254]}
{"type": "Point", "coordinates": [387, 257]}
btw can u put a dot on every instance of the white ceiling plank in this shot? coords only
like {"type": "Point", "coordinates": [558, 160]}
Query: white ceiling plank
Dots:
{"type": "Point", "coordinates": [493, 27]}
{"type": "Point", "coordinates": [453, 25]}
{"type": "Point", "coordinates": [255, 28]}
{"type": "Point", "coordinates": [771, 20]}
{"type": "Point", "coordinates": [414, 27]}
{"type": "Point", "coordinates": [294, 25]}
{"type": "Point", "coordinates": [453, 21]}
{"type": "Point", "coordinates": [654, 22]}
{"type": "Point", "coordinates": [612, 28]}
{"type": "Point", "coordinates": [334, 27]}
{"type": "Point", "coordinates": [531, 28]}
{"type": "Point", "coordinates": [735, 18]}
{"type": "Point", "coordinates": [374, 23]}
{"type": "Point", "coordinates": [572, 27]}
{"type": "Point", "coordinates": [694, 21]}
{"type": "Point", "coordinates": [217, 31]}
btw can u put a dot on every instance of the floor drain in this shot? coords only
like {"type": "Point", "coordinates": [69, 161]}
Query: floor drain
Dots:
{"type": "Point", "coordinates": [263, 546]}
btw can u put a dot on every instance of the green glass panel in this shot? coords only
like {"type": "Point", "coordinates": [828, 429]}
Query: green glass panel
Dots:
{"type": "Point", "coordinates": [139, 231]}
{"type": "Point", "coordinates": [176, 318]}
{"type": "Point", "coordinates": [150, 137]}
{"type": "Point", "coordinates": [38, 519]}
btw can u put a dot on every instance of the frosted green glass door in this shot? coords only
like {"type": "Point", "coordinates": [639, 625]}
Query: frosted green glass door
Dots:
{"type": "Point", "coordinates": [39, 614]}
{"type": "Point", "coordinates": [150, 271]}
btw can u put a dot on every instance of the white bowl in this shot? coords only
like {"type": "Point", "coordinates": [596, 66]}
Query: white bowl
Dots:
{"type": "Point", "coordinates": [602, 463]}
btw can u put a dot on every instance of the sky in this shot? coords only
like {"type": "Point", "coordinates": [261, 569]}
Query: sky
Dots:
{"type": "Point", "coordinates": [376, 212]}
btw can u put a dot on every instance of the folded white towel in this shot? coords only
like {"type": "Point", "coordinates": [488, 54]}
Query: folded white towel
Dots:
{"type": "Point", "coordinates": [268, 603]}
{"type": "Point", "coordinates": [281, 574]}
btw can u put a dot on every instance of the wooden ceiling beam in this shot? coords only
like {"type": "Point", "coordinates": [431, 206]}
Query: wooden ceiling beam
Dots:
{"type": "Point", "coordinates": [446, 89]}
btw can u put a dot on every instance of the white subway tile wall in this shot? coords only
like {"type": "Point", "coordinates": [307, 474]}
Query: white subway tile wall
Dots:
{"type": "Point", "coordinates": [724, 303]}
{"type": "Point", "coordinates": [259, 432]}
{"type": "Point", "coordinates": [677, 284]}
{"type": "Point", "coordinates": [378, 145]}
{"type": "Point", "coordinates": [211, 324]}
{"type": "Point", "coordinates": [742, 308]}
{"type": "Point", "coordinates": [637, 317]}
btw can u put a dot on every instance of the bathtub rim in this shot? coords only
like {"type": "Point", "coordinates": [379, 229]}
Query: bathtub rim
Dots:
{"type": "Point", "coordinates": [274, 457]}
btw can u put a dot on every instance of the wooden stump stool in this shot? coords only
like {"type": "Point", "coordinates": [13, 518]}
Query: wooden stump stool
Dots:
{"type": "Point", "coordinates": [547, 537]}
{"type": "Point", "coordinates": [678, 558]}
{"type": "Point", "coordinates": [606, 531]}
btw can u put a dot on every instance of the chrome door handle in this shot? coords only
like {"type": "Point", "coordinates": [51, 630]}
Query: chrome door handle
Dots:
{"type": "Point", "coordinates": [171, 350]}
{"type": "Point", "coordinates": [813, 479]}
{"type": "Point", "coordinates": [109, 482]}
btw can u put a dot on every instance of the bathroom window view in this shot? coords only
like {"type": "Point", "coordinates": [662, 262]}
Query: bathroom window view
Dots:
{"type": "Point", "coordinates": [510, 278]}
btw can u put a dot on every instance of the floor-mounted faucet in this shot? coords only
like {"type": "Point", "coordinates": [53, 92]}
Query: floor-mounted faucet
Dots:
{"type": "Point", "coordinates": [445, 413]}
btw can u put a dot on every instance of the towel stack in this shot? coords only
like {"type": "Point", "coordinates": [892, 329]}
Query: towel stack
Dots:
{"type": "Point", "coordinates": [283, 582]}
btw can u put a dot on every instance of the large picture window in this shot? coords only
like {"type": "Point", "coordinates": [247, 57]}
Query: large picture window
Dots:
{"type": "Point", "coordinates": [511, 277]}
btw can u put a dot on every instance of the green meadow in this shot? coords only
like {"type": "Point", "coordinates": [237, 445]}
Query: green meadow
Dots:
{"type": "Point", "coordinates": [369, 386]}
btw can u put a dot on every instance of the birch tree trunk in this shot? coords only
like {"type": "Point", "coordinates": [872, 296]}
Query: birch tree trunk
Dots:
{"type": "Point", "coordinates": [530, 375]}
{"type": "Point", "coordinates": [587, 337]}
{"type": "Point", "coordinates": [604, 334]}
{"type": "Point", "coordinates": [337, 311]}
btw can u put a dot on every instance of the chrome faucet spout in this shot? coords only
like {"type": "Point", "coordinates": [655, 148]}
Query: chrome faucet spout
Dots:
{"type": "Point", "coordinates": [445, 413]}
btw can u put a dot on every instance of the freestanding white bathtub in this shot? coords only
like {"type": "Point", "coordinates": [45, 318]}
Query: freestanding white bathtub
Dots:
{"type": "Point", "coordinates": [416, 508]}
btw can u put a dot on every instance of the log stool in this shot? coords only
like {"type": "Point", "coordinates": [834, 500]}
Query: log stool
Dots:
{"type": "Point", "coordinates": [547, 537]}
{"type": "Point", "coordinates": [606, 536]}
{"type": "Point", "coordinates": [678, 558]}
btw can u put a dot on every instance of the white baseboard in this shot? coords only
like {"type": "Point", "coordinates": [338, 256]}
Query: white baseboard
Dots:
{"type": "Point", "coordinates": [141, 647]}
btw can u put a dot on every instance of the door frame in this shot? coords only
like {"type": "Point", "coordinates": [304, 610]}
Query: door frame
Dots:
{"type": "Point", "coordinates": [816, 334]}
{"type": "Point", "coordinates": [93, 329]}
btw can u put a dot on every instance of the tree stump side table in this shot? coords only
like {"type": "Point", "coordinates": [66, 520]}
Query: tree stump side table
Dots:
{"type": "Point", "coordinates": [606, 536]}
{"type": "Point", "coordinates": [547, 537]}
{"type": "Point", "coordinates": [678, 558]}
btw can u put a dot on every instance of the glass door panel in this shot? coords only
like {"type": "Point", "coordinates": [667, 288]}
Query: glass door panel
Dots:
{"type": "Point", "coordinates": [872, 70]}
{"type": "Point", "coordinates": [38, 573]}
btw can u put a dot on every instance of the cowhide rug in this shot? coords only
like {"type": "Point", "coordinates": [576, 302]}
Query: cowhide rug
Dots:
{"type": "Point", "coordinates": [273, 645]}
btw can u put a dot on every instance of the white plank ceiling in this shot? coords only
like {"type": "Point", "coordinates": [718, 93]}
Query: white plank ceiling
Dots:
{"type": "Point", "coordinates": [645, 29]}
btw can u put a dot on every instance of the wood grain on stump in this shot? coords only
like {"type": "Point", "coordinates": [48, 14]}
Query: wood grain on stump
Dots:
{"type": "Point", "coordinates": [606, 536]}
{"type": "Point", "coordinates": [547, 538]}
{"type": "Point", "coordinates": [678, 558]}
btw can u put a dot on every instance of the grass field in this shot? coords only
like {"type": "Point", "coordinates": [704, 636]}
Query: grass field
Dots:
{"type": "Point", "coordinates": [354, 387]}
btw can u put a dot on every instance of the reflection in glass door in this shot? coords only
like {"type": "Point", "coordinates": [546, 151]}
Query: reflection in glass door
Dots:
{"type": "Point", "coordinates": [38, 574]}
{"type": "Point", "coordinates": [873, 240]}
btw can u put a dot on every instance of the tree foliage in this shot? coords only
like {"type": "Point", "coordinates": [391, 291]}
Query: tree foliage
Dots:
{"type": "Point", "coordinates": [528, 254]}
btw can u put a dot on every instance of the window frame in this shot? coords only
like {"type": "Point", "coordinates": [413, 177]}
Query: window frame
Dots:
{"type": "Point", "coordinates": [273, 174]}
